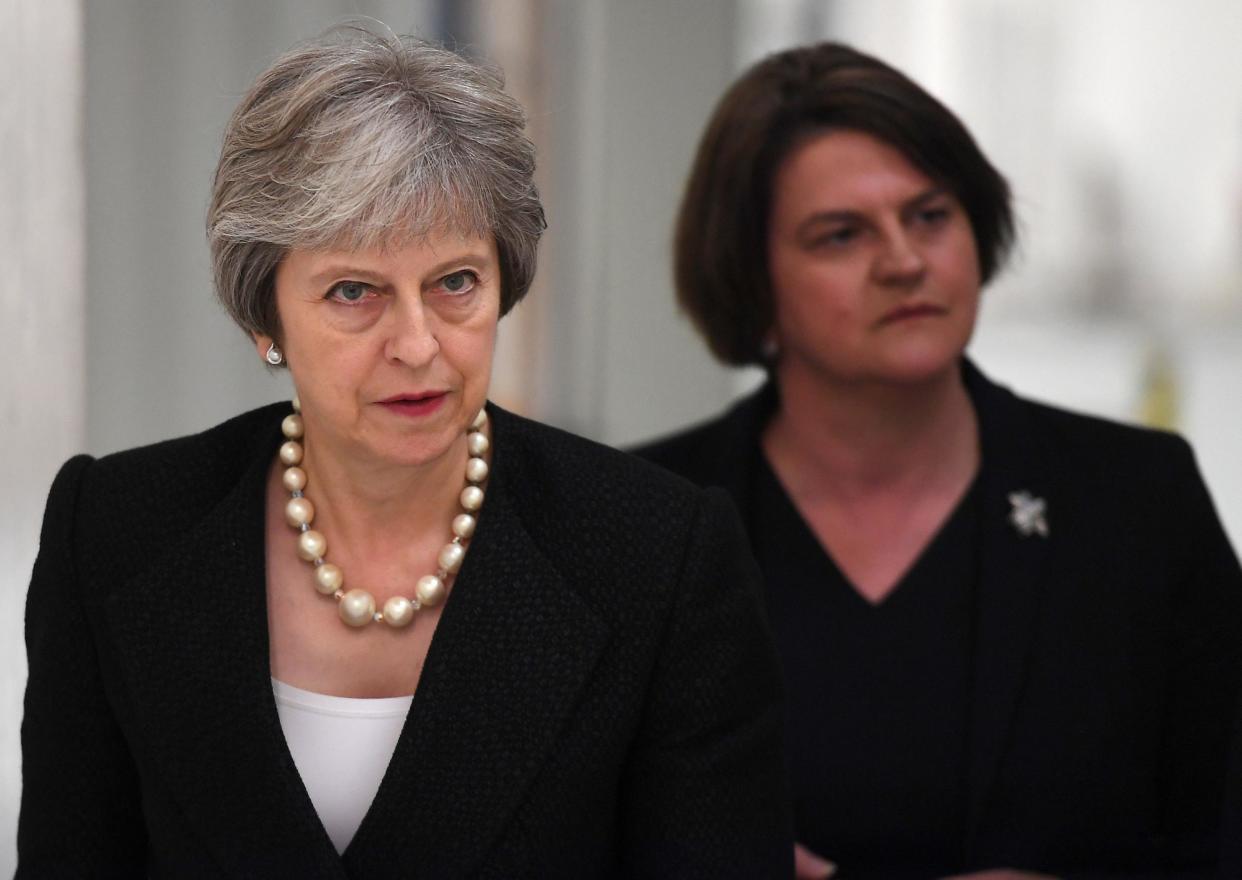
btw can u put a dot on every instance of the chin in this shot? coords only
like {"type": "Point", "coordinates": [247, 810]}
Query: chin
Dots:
{"type": "Point", "coordinates": [924, 366]}
{"type": "Point", "coordinates": [406, 450]}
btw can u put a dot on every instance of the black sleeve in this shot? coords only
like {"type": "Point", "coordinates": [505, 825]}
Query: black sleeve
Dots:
{"type": "Point", "coordinates": [1231, 824]}
{"type": "Point", "coordinates": [1205, 672]}
{"type": "Point", "coordinates": [80, 806]}
{"type": "Point", "coordinates": [1204, 676]}
{"type": "Point", "coordinates": [705, 793]}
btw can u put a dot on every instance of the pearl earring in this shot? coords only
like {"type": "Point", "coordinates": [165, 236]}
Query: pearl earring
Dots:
{"type": "Point", "coordinates": [274, 355]}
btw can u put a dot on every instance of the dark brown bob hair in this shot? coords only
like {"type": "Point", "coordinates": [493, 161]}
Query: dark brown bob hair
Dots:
{"type": "Point", "coordinates": [720, 251]}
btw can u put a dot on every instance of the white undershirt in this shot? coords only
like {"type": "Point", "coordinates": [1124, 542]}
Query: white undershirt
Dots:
{"type": "Point", "coordinates": [341, 747]}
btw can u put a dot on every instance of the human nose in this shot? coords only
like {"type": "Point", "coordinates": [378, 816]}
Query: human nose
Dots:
{"type": "Point", "coordinates": [412, 334]}
{"type": "Point", "coordinates": [899, 261]}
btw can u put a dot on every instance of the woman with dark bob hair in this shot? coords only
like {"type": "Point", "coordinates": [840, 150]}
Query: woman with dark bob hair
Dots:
{"type": "Point", "coordinates": [1011, 636]}
{"type": "Point", "coordinates": [391, 630]}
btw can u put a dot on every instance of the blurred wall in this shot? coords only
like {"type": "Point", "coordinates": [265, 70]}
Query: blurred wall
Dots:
{"type": "Point", "coordinates": [41, 329]}
{"type": "Point", "coordinates": [616, 94]}
{"type": "Point", "coordinates": [627, 87]}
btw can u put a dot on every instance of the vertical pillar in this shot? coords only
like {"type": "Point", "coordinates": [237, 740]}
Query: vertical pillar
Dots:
{"type": "Point", "coordinates": [632, 87]}
{"type": "Point", "coordinates": [42, 353]}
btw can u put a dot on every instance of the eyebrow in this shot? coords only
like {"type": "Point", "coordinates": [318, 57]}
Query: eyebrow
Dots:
{"type": "Point", "coordinates": [820, 217]}
{"type": "Point", "coordinates": [347, 269]}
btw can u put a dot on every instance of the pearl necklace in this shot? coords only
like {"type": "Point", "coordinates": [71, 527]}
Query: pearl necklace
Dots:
{"type": "Point", "coordinates": [357, 606]}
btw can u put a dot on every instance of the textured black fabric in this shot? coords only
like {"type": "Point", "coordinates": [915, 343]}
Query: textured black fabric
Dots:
{"type": "Point", "coordinates": [882, 787]}
{"type": "Point", "coordinates": [1231, 824]}
{"type": "Point", "coordinates": [1108, 654]}
{"type": "Point", "coordinates": [600, 698]}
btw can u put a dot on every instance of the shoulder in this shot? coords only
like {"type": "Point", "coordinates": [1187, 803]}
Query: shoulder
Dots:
{"type": "Point", "coordinates": [682, 451]}
{"type": "Point", "coordinates": [643, 548]}
{"type": "Point", "coordinates": [1103, 446]}
{"type": "Point", "coordinates": [227, 442]}
{"type": "Point", "coordinates": [1070, 444]}
{"type": "Point", "coordinates": [1112, 485]}
{"type": "Point", "coordinates": [599, 511]}
{"type": "Point", "coordinates": [711, 451]}
{"type": "Point", "coordinates": [549, 466]}
{"type": "Point", "coordinates": [206, 462]}
{"type": "Point", "coordinates": [128, 503]}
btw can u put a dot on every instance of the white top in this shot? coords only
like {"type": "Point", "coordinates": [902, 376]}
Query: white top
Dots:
{"type": "Point", "coordinates": [341, 747]}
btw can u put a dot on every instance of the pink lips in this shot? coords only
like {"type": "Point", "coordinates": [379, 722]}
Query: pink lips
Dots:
{"type": "Point", "coordinates": [913, 310]}
{"type": "Point", "coordinates": [420, 403]}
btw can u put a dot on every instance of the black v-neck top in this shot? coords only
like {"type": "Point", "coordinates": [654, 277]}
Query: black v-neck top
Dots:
{"type": "Point", "coordinates": [877, 696]}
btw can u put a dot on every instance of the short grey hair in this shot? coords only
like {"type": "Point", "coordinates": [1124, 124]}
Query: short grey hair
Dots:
{"type": "Point", "coordinates": [357, 139]}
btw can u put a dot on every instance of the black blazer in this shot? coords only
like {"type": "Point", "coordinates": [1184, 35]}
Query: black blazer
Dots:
{"type": "Point", "coordinates": [1109, 653]}
{"type": "Point", "coordinates": [600, 697]}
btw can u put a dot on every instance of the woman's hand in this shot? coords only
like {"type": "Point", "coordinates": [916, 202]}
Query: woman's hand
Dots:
{"type": "Point", "coordinates": [1001, 874]}
{"type": "Point", "coordinates": [808, 866]}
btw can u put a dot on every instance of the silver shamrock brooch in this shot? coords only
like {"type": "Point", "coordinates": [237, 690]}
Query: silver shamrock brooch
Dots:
{"type": "Point", "coordinates": [1029, 514]}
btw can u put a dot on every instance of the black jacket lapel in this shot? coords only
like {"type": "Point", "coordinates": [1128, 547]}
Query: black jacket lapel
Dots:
{"type": "Point", "coordinates": [191, 634]}
{"type": "Point", "coordinates": [1012, 571]}
{"type": "Point", "coordinates": [513, 647]}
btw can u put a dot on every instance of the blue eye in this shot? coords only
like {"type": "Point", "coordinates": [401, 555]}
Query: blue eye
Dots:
{"type": "Point", "coordinates": [459, 282]}
{"type": "Point", "coordinates": [349, 292]}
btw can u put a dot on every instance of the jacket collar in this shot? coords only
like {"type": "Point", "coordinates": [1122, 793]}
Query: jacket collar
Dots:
{"type": "Point", "coordinates": [513, 646]}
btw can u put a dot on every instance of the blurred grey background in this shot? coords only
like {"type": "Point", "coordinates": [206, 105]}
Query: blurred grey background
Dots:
{"type": "Point", "coordinates": [1119, 122]}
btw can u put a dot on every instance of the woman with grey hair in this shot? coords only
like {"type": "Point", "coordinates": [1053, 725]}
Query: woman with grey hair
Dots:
{"type": "Point", "coordinates": [390, 630]}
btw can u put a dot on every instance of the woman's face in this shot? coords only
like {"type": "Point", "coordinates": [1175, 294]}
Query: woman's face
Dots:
{"type": "Point", "coordinates": [874, 269]}
{"type": "Point", "coordinates": [391, 348]}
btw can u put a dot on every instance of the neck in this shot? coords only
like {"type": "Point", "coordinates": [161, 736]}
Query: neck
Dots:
{"type": "Point", "coordinates": [377, 508]}
{"type": "Point", "coordinates": [853, 439]}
